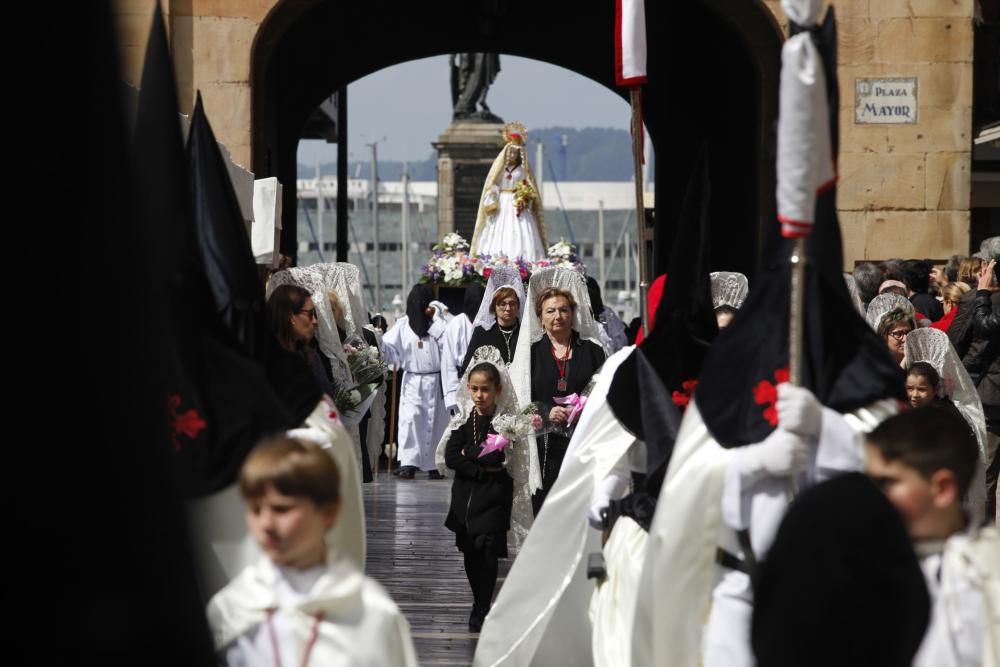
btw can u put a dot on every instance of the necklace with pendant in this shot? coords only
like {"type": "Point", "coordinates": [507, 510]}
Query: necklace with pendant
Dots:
{"type": "Point", "coordinates": [507, 335]}
{"type": "Point", "coordinates": [562, 365]}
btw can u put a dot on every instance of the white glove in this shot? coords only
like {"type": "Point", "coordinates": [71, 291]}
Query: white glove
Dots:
{"type": "Point", "coordinates": [611, 487]}
{"type": "Point", "coordinates": [799, 411]}
{"type": "Point", "coordinates": [781, 454]}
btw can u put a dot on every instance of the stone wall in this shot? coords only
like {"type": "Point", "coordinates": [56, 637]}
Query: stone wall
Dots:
{"type": "Point", "coordinates": [904, 189]}
{"type": "Point", "coordinates": [211, 42]}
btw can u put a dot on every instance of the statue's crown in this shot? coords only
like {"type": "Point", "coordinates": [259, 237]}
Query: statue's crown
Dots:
{"type": "Point", "coordinates": [515, 133]}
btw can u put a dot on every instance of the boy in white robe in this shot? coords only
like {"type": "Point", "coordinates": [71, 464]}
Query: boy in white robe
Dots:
{"type": "Point", "coordinates": [302, 602]}
{"type": "Point", "coordinates": [925, 460]}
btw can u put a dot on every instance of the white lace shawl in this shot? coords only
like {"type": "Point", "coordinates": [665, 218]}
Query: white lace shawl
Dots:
{"type": "Point", "coordinates": [502, 276]}
{"type": "Point", "coordinates": [524, 466]}
{"type": "Point", "coordinates": [934, 347]}
{"type": "Point", "coordinates": [313, 279]}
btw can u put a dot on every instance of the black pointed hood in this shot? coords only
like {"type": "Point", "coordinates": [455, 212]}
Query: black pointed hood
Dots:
{"type": "Point", "coordinates": [419, 299]}
{"type": "Point", "coordinates": [844, 363]}
{"type": "Point", "coordinates": [218, 403]}
{"type": "Point", "coordinates": [131, 570]}
{"type": "Point", "coordinates": [663, 370]}
{"type": "Point", "coordinates": [840, 575]}
{"type": "Point", "coordinates": [222, 240]}
{"type": "Point", "coordinates": [472, 299]}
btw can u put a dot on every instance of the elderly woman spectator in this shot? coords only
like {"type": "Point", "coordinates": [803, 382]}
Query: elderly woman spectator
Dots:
{"type": "Point", "coordinates": [893, 329]}
{"type": "Point", "coordinates": [891, 316]}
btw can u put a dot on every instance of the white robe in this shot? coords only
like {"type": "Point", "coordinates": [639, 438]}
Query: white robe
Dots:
{"type": "Point", "coordinates": [760, 509]}
{"type": "Point", "coordinates": [422, 416]}
{"type": "Point", "coordinates": [612, 607]}
{"type": "Point", "coordinates": [360, 626]}
{"type": "Point", "coordinates": [963, 580]}
{"type": "Point", "coordinates": [679, 571]}
{"type": "Point", "coordinates": [505, 232]}
{"type": "Point", "coordinates": [221, 544]}
{"type": "Point", "coordinates": [456, 342]}
{"type": "Point", "coordinates": [541, 615]}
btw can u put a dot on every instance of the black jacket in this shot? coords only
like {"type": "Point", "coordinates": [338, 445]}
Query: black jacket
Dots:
{"type": "Point", "coordinates": [985, 317]}
{"type": "Point", "coordinates": [977, 352]}
{"type": "Point", "coordinates": [481, 499]}
{"type": "Point", "coordinates": [928, 305]}
{"type": "Point", "coordinates": [986, 332]}
{"type": "Point", "coordinates": [587, 359]}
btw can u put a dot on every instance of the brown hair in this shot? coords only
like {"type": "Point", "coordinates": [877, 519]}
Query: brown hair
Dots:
{"type": "Point", "coordinates": [488, 369]}
{"type": "Point", "coordinates": [286, 301]}
{"type": "Point", "coordinates": [893, 317]}
{"type": "Point", "coordinates": [968, 270]}
{"type": "Point", "coordinates": [927, 372]}
{"type": "Point", "coordinates": [550, 293]}
{"type": "Point", "coordinates": [500, 295]}
{"type": "Point", "coordinates": [292, 467]}
{"type": "Point", "coordinates": [915, 439]}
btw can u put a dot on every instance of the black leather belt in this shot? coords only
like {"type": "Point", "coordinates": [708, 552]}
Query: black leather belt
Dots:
{"type": "Point", "coordinates": [747, 565]}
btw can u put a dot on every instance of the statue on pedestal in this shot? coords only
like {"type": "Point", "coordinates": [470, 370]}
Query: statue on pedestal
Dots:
{"type": "Point", "coordinates": [471, 77]}
{"type": "Point", "coordinates": [510, 220]}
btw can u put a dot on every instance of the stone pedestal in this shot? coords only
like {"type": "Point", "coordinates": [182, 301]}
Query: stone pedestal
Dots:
{"type": "Point", "coordinates": [465, 152]}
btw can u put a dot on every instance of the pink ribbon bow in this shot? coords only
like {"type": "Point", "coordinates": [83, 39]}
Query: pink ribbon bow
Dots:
{"type": "Point", "coordinates": [494, 443]}
{"type": "Point", "coordinates": [577, 403]}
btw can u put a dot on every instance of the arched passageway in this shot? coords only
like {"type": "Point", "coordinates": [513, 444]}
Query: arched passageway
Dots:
{"type": "Point", "coordinates": [712, 68]}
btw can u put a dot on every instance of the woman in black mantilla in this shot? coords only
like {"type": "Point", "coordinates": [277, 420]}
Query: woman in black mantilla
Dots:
{"type": "Point", "coordinates": [562, 363]}
{"type": "Point", "coordinates": [505, 307]}
{"type": "Point", "coordinates": [482, 492]}
{"type": "Point", "coordinates": [498, 321]}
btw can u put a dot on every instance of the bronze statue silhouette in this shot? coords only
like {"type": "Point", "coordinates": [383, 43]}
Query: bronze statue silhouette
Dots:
{"type": "Point", "coordinates": [471, 77]}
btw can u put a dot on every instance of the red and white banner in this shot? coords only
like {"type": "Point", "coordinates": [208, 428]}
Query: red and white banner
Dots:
{"type": "Point", "coordinates": [630, 42]}
{"type": "Point", "coordinates": [805, 157]}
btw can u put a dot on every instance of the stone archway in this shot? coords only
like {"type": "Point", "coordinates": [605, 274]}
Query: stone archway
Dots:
{"type": "Point", "coordinates": [713, 68]}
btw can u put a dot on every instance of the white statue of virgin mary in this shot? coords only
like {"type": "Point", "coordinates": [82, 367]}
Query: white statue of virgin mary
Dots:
{"type": "Point", "coordinates": [510, 220]}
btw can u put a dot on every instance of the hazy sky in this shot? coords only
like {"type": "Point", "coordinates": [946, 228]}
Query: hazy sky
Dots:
{"type": "Point", "coordinates": [407, 106]}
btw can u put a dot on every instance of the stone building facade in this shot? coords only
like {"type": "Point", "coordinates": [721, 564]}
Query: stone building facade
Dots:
{"type": "Point", "coordinates": [904, 188]}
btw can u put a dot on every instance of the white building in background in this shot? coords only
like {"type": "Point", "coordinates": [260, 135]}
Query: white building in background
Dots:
{"type": "Point", "coordinates": [571, 212]}
{"type": "Point", "coordinates": [571, 196]}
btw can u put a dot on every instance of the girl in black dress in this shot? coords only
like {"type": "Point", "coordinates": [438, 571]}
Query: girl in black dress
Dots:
{"type": "Point", "coordinates": [482, 492]}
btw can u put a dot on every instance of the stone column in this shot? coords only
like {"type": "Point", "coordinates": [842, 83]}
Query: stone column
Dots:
{"type": "Point", "coordinates": [465, 152]}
